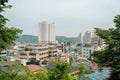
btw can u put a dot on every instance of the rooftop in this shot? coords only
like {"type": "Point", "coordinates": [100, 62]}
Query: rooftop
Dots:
{"type": "Point", "coordinates": [34, 68]}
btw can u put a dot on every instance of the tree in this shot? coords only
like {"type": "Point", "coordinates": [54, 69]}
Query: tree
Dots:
{"type": "Point", "coordinates": [41, 75]}
{"type": "Point", "coordinates": [60, 71]}
{"type": "Point", "coordinates": [17, 68]}
{"type": "Point", "coordinates": [44, 62]}
{"type": "Point", "coordinates": [83, 71]}
{"type": "Point", "coordinates": [110, 56]}
{"type": "Point", "coordinates": [68, 43]}
{"type": "Point", "coordinates": [28, 49]}
{"type": "Point", "coordinates": [7, 35]}
{"type": "Point", "coordinates": [71, 60]}
{"type": "Point", "coordinates": [12, 76]}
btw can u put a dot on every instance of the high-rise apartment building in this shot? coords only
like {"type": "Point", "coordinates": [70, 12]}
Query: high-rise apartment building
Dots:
{"type": "Point", "coordinates": [87, 37]}
{"type": "Point", "coordinates": [96, 41]}
{"type": "Point", "coordinates": [79, 39]}
{"type": "Point", "coordinates": [47, 32]}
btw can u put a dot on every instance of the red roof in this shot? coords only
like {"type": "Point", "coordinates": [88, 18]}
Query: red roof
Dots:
{"type": "Point", "coordinates": [63, 59]}
{"type": "Point", "coordinates": [52, 59]}
{"type": "Point", "coordinates": [6, 63]}
{"type": "Point", "coordinates": [33, 68]}
{"type": "Point", "coordinates": [67, 55]}
{"type": "Point", "coordinates": [82, 59]}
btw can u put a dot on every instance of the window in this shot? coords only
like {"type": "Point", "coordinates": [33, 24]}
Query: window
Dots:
{"type": "Point", "coordinates": [23, 54]}
{"type": "Point", "coordinates": [32, 54]}
{"type": "Point", "coordinates": [32, 58]}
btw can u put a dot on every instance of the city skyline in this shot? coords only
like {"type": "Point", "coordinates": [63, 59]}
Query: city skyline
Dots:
{"type": "Point", "coordinates": [70, 17]}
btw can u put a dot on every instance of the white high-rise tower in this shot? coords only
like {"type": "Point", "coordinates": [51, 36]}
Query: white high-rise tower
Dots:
{"type": "Point", "coordinates": [79, 39]}
{"type": "Point", "coordinates": [87, 37]}
{"type": "Point", "coordinates": [47, 32]}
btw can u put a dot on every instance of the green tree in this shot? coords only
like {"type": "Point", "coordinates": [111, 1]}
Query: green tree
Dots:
{"type": "Point", "coordinates": [7, 35]}
{"type": "Point", "coordinates": [17, 68]}
{"type": "Point", "coordinates": [83, 71]}
{"type": "Point", "coordinates": [28, 49]}
{"type": "Point", "coordinates": [68, 43]}
{"type": "Point", "coordinates": [41, 75]}
{"type": "Point", "coordinates": [71, 60]}
{"type": "Point", "coordinates": [110, 56]}
{"type": "Point", "coordinates": [60, 71]}
{"type": "Point", "coordinates": [44, 62]}
{"type": "Point", "coordinates": [12, 76]}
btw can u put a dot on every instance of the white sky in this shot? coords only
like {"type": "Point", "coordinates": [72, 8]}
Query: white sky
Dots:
{"type": "Point", "coordinates": [70, 16]}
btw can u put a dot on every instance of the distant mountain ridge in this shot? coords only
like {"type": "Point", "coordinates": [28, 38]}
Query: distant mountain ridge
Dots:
{"type": "Point", "coordinates": [66, 39]}
{"type": "Point", "coordinates": [34, 39]}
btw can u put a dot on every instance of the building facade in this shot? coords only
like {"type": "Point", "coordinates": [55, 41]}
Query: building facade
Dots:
{"type": "Point", "coordinates": [37, 53]}
{"type": "Point", "coordinates": [96, 41]}
{"type": "Point", "coordinates": [87, 37]}
{"type": "Point", "coordinates": [46, 32]}
{"type": "Point", "coordinates": [87, 50]}
{"type": "Point", "coordinates": [79, 39]}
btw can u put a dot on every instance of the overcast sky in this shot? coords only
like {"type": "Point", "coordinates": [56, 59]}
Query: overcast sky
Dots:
{"type": "Point", "coordinates": [70, 16]}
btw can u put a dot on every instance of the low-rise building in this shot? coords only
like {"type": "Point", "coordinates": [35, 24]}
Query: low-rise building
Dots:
{"type": "Point", "coordinates": [37, 53]}
{"type": "Point", "coordinates": [87, 50]}
{"type": "Point", "coordinates": [34, 53]}
{"type": "Point", "coordinates": [52, 50]}
{"type": "Point", "coordinates": [34, 68]}
{"type": "Point", "coordinates": [61, 46]}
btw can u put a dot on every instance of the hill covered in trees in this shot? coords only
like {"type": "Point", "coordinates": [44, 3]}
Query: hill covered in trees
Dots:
{"type": "Point", "coordinates": [34, 39]}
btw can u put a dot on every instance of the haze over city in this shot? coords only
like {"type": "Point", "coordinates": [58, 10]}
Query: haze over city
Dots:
{"type": "Point", "coordinates": [70, 16]}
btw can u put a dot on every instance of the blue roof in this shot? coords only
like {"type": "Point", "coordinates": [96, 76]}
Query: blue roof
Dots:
{"type": "Point", "coordinates": [97, 75]}
{"type": "Point", "coordinates": [4, 69]}
{"type": "Point", "coordinates": [81, 62]}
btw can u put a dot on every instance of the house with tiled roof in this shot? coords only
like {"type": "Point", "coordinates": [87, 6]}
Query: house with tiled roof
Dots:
{"type": "Point", "coordinates": [34, 68]}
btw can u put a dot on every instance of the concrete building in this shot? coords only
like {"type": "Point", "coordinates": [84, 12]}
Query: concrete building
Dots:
{"type": "Point", "coordinates": [37, 53]}
{"type": "Point", "coordinates": [79, 39]}
{"type": "Point", "coordinates": [96, 41]}
{"type": "Point", "coordinates": [61, 47]}
{"type": "Point", "coordinates": [46, 32]}
{"type": "Point", "coordinates": [87, 50]}
{"type": "Point", "coordinates": [87, 37]}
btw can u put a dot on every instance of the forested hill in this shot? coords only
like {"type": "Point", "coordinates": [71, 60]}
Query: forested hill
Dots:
{"type": "Point", "coordinates": [34, 39]}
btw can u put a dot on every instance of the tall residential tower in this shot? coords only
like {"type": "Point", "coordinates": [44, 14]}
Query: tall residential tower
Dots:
{"type": "Point", "coordinates": [87, 37]}
{"type": "Point", "coordinates": [79, 39]}
{"type": "Point", "coordinates": [47, 32]}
